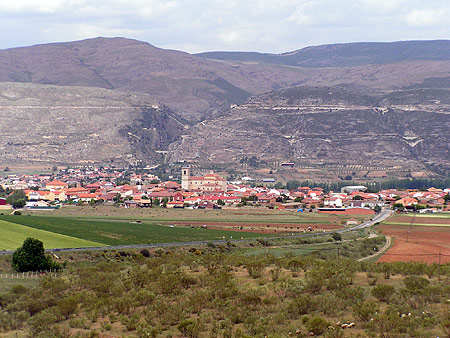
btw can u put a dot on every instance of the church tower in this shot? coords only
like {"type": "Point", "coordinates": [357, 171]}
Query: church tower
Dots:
{"type": "Point", "coordinates": [185, 176]}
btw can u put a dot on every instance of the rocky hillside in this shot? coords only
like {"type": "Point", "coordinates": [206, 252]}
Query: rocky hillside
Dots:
{"type": "Point", "coordinates": [116, 99]}
{"type": "Point", "coordinates": [331, 124]}
{"type": "Point", "coordinates": [56, 124]}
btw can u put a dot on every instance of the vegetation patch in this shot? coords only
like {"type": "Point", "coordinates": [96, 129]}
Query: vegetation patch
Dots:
{"type": "Point", "coordinates": [13, 235]}
{"type": "Point", "coordinates": [120, 232]}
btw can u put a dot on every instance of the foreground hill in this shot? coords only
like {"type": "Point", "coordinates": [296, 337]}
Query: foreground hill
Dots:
{"type": "Point", "coordinates": [334, 124]}
{"type": "Point", "coordinates": [58, 124]}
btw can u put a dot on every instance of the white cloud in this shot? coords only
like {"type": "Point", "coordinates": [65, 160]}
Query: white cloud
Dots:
{"type": "Point", "coordinates": [200, 25]}
{"type": "Point", "coordinates": [17, 6]}
{"type": "Point", "coordinates": [427, 17]}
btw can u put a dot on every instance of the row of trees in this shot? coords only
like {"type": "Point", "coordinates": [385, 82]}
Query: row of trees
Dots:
{"type": "Point", "coordinates": [413, 183]}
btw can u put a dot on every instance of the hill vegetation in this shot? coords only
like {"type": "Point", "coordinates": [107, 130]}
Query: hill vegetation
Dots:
{"type": "Point", "coordinates": [345, 54]}
{"type": "Point", "coordinates": [214, 292]}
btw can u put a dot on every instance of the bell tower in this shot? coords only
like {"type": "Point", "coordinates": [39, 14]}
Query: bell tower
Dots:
{"type": "Point", "coordinates": [185, 176]}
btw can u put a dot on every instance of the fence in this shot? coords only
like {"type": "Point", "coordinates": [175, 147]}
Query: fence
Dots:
{"type": "Point", "coordinates": [28, 275]}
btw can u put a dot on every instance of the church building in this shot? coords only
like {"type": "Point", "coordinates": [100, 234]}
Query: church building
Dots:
{"type": "Point", "coordinates": [209, 182]}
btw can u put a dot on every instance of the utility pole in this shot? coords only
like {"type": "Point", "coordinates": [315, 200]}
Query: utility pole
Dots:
{"type": "Point", "coordinates": [338, 255]}
{"type": "Point", "coordinates": [439, 271]}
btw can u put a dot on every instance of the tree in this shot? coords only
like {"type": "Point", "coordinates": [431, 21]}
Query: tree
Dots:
{"type": "Point", "coordinates": [15, 196]}
{"type": "Point", "coordinates": [290, 185]}
{"type": "Point", "coordinates": [279, 185]}
{"type": "Point", "coordinates": [447, 198]}
{"type": "Point", "coordinates": [31, 257]}
{"type": "Point", "coordinates": [18, 204]}
{"type": "Point", "coordinates": [336, 236]}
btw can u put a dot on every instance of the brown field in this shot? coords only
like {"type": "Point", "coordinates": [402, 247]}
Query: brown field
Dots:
{"type": "Point", "coordinates": [421, 244]}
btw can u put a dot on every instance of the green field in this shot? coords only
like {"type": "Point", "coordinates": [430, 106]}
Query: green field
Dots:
{"type": "Point", "coordinates": [436, 215]}
{"type": "Point", "coordinates": [111, 232]}
{"type": "Point", "coordinates": [13, 235]}
{"type": "Point", "coordinates": [417, 224]}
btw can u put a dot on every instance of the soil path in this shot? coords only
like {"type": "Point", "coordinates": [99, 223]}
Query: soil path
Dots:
{"type": "Point", "coordinates": [382, 250]}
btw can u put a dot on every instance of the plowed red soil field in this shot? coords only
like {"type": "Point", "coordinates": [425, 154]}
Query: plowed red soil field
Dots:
{"type": "Point", "coordinates": [421, 244]}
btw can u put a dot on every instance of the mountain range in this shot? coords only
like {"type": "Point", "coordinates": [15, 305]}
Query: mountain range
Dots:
{"type": "Point", "coordinates": [116, 99]}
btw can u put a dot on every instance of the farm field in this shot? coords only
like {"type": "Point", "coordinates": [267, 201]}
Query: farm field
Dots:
{"type": "Point", "coordinates": [14, 234]}
{"type": "Point", "coordinates": [421, 241]}
{"type": "Point", "coordinates": [246, 219]}
{"type": "Point", "coordinates": [118, 232]}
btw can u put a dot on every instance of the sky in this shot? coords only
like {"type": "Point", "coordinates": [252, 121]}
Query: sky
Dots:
{"type": "Point", "coordinates": [272, 26]}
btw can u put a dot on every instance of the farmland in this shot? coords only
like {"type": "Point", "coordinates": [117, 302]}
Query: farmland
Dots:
{"type": "Point", "coordinates": [109, 225]}
{"type": "Point", "coordinates": [119, 232]}
{"type": "Point", "coordinates": [14, 234]}
{"type": "Point", "coordinates": [260, 220]}
{"type": "Point", "coordinates": [421, 238]}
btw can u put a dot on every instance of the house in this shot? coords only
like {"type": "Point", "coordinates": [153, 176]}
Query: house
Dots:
{"type": "Point", "coordinates": [209, 182]}
{"type": "Point", "coordinates": [333, 201]}
{"type": "Point", "coordinates": [352, 221]}
{"type": "Point", "coordinates": [175, 204]}
{"type": "Point", "coordinates": [56, 185]}
{"type": "Point", "coordinates": [407, 201]}
{"type": "Point", "coordinates": [37, 195]}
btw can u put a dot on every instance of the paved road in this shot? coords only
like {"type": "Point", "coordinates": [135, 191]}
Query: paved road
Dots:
{"type": "Point", "coordinates": [384, 214]}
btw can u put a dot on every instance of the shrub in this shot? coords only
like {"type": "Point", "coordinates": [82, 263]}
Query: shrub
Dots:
{"type": "Point", "coordinates": [416, 282]}
{"type": "Point", "coordinates": [365, 310]}
{"type": "Point", "coordinates": [317, 325]}
{"type": "Point", "coordinates": [383, 292]}
{"type": "Point", "coordinates": [189, 328]}
{"type": "Point", "coordinates": [67, 306]}
{"type": "Point", "coordinates": [145, 253]}
{"type": "Point", "coordinates": [301, 305]}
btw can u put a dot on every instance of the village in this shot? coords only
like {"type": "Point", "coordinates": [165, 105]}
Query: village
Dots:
{"type": "Point", "coordinates": [100, 185]}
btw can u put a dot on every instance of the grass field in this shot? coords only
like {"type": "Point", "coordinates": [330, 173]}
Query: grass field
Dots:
{"type": "Point", "coordinates": [111, 232]}
{"type": "Point", "coordinates": [418, 224]}
{"type": "Point", "coordinates": [14, 234]}
{"type": "Point", "coordinates": [438, 219]}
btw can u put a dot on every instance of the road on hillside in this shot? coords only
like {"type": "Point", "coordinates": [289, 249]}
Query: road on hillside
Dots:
{"type": "Point", "coordinates": [383, 215]}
